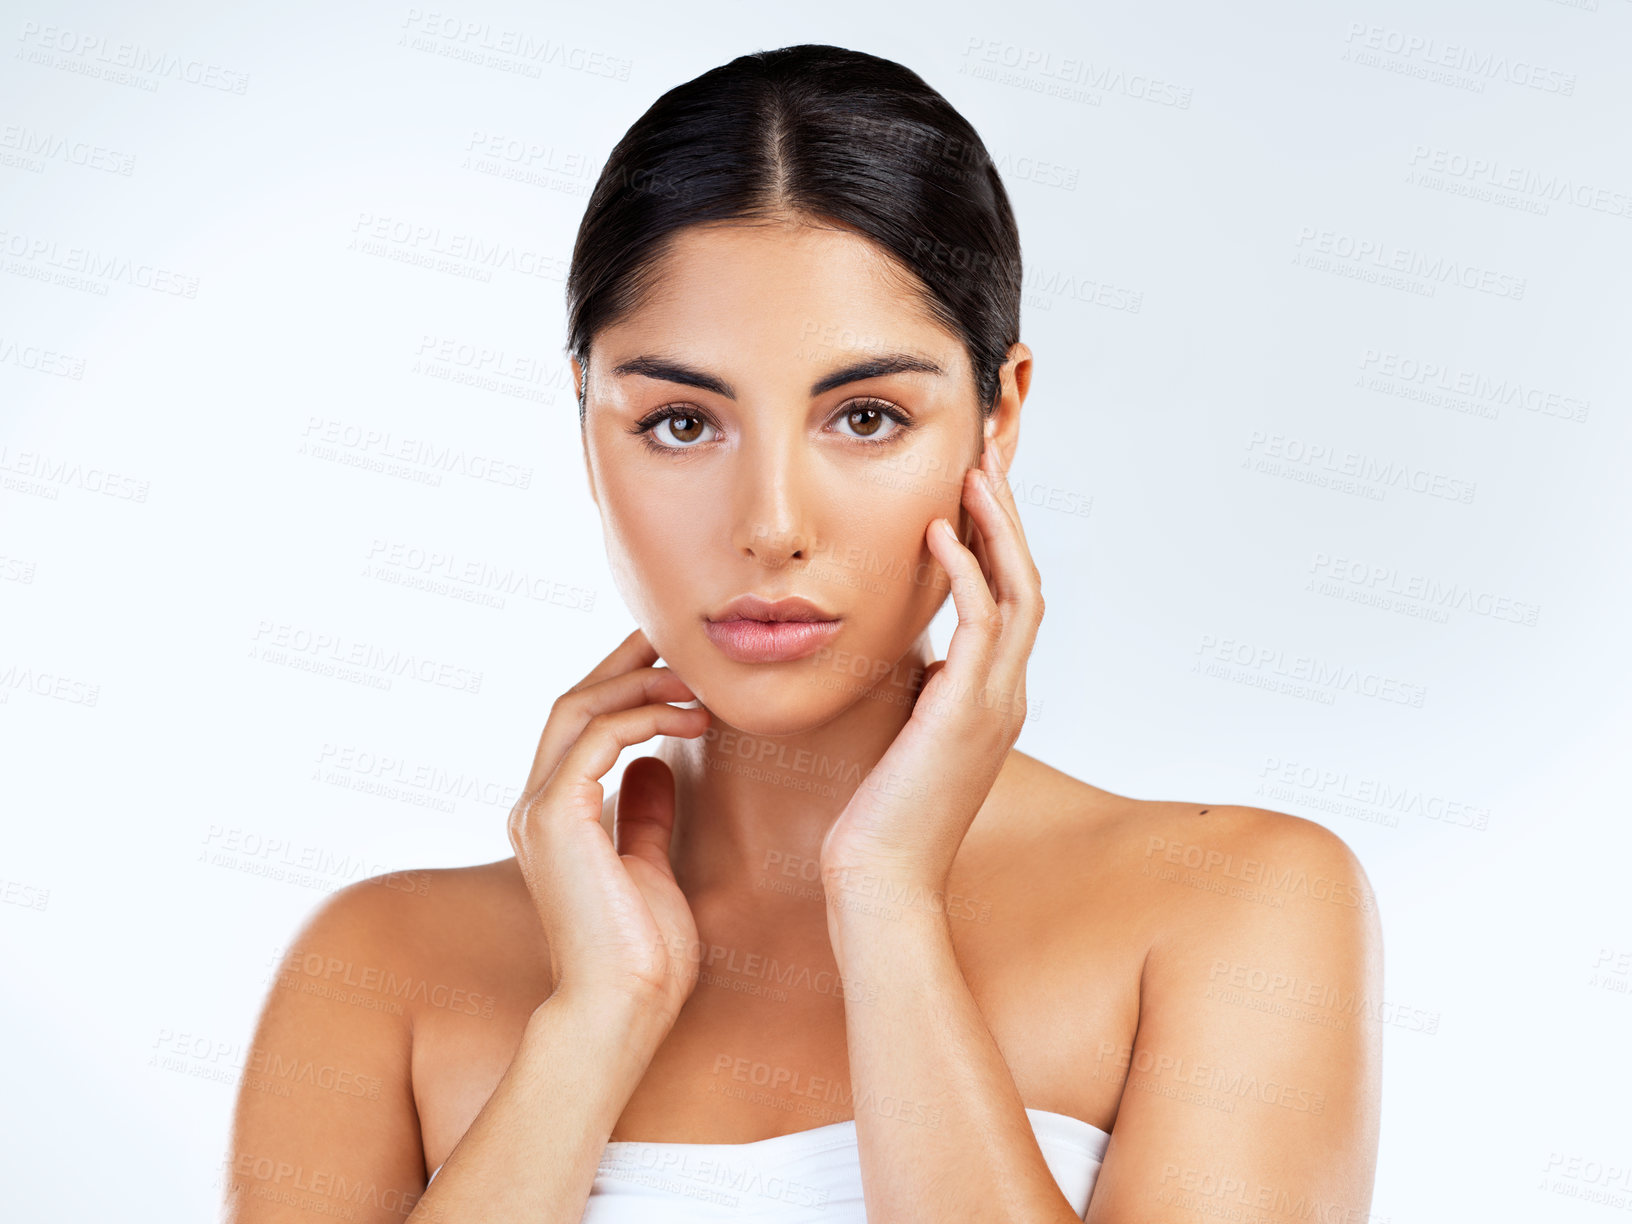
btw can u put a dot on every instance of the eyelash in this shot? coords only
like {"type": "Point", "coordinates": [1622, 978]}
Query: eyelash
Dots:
{"type": "Point", "coordinates": [650, 421]}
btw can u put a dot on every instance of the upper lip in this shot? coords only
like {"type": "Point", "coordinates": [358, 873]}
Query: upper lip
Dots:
{"type": "Point", "coordinates": [752, 607]}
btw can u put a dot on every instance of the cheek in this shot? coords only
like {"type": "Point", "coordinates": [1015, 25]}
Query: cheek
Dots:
{"type": "Point", "coordinates": [885, 556]}
{"type": "Point", "coordinates": [921, 487]}
{"type": "Point", "coordinates": [647, 549]}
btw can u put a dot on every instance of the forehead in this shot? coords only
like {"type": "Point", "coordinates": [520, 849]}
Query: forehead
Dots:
{"type": "Point", "coordinates": [783, 290]}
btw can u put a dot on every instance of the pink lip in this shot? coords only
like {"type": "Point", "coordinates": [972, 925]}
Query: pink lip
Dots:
{"type": "Point", "coordinates": [757, 641]}
{"type": "Point", "coordinates": [756, 607]}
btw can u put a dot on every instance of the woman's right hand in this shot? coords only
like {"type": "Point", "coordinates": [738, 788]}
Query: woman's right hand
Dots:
{"type": "Point", "coordinates": [616, 922]}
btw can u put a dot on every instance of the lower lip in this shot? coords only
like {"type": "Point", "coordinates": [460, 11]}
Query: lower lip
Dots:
{"type": "Point", "coordinates": [751, 641]}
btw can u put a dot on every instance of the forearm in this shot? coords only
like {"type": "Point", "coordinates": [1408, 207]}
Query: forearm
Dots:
{"type": "Point", "coordinates": [966, 1150]}
{"type": "Point", "coordinates": [530, 1156]}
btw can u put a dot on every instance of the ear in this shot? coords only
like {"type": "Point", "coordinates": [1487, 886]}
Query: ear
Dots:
{"type": "Point", "coordinates": [1014, 381]}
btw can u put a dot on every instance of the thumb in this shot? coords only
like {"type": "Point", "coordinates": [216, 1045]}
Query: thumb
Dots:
{"type": "Point", "coordinates": [644, 818]}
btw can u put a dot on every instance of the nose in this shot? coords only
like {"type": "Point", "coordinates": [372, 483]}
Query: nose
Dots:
{"type": "Point", "coordinates": [770, 524]}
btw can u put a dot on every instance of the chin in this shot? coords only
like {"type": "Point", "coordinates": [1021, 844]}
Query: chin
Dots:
{"type": "Point", "coordinates": [772, 701]}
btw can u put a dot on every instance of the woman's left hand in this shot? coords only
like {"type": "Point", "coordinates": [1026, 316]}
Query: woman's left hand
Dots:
{"type": "Point", "coordinates": [911, 812]}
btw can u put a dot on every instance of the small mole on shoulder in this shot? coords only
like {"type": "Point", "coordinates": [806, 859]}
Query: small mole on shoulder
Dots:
{"type": "Point", "coordinates": [1203, 812]}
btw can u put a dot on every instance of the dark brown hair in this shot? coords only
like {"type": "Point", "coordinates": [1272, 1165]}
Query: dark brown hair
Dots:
{"type": "Point", "coordinates": [840, 137]}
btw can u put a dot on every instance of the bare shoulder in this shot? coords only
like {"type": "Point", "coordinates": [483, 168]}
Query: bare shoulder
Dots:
{"type": "Point", "coordinates": [1165, 868]}
{"type": "Point", "coordinates": [1232, 892]}
{"type": "Point", "coordinates": [435, 943]}
{"type": "Point", "coordinates": [426, 943]}
{"type": "Point", "coordinates": [328, 1081]}
{"type": "Point", "coordinates": [1232, 853]}
{"type": "Point", "coordinates": [1254, 1047]}
{"type": "Point", "coordinates": [388, 992]}
{"type": "Point", "coordinates": [363, 930]}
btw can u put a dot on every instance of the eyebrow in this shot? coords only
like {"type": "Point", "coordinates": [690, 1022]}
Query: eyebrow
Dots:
{"type": "Point", "coordinates": [871, 367]}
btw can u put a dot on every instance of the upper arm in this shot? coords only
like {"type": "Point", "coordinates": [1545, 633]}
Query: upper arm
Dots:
{"type": "Point", "coordinates": [1253, 1082]}
{"type": "Point", "coordinates": [325, 1125]}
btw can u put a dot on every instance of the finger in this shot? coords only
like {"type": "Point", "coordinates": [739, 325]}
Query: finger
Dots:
{"type": "Point", "coordinates": [976, 543]}
{"type": "Point", "coordinates": [574, 708]}
{"type": "Point", "coordinates": [995, 464]}
{"type": "Point", "coordinates": [1008, 566]}
{"type": "Point", "coordinates": [644, 820]}
{"type": "Point", "coordinates": [634, 651]}
{"type": "Point", "coordinates": [576, 782]}
{"type": "Point", "coordinates": [975, 639]}
{"type": "Point", "coordinates": [1013, 576]}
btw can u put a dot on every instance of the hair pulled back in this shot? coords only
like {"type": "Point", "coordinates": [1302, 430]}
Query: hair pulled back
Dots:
{"type": "Point", "coordinates": [817, 133]}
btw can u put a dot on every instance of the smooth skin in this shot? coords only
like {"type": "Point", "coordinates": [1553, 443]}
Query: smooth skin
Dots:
{"type": "Point", "coordinates": [835, 889]}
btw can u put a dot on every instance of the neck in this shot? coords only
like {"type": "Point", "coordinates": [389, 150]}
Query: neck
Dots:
{"type": "Point", "coordinates": [751, 810]}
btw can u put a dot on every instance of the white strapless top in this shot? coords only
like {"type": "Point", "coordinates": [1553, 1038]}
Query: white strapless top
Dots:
{"type": "Point", "coordinates": [805, 1177]}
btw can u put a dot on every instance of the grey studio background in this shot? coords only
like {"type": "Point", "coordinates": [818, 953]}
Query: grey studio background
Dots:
{"type": "Point", "coordinates": [1323, 465]}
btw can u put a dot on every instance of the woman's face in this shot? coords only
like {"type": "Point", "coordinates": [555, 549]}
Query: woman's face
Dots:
{"type": "Point", "coordinates": [768, 481]}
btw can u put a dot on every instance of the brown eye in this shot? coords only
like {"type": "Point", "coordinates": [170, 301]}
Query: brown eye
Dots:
{"type": "Point", "coordinates": [865, 421]}
{"type": "Point", "coordinates": [690, 433]}
{"type": "Point", "coordinates": [873, 418]}
{"type": "Point", "coordinates": [684, 428]}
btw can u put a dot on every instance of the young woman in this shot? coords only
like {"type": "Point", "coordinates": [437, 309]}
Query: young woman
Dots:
{"type": "Point", "coordinates": [835, 951]}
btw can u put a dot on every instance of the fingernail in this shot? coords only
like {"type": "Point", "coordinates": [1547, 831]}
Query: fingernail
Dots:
{"type": "Point", "coordinates": [946, 526]}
